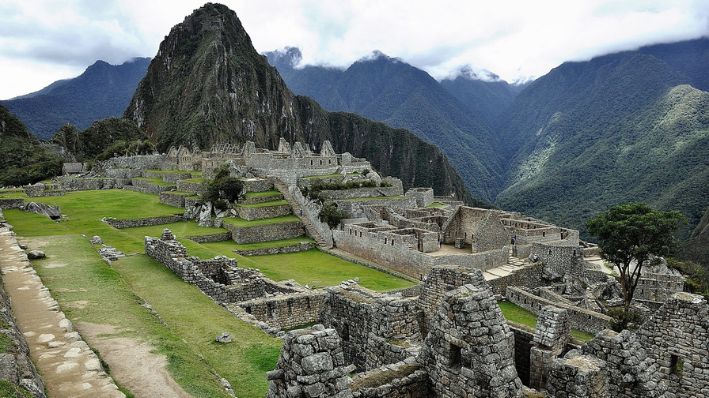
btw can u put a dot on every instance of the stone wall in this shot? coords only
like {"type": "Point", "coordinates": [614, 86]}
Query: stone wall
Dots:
{"type": "Point", "coordinates": [16, 367]}
{"type": "Point", "coordinates": [171, 176]}
{"type": "Point", "coordinates": [469, 350]}
{"type": "Point", "coordinates": [367, 192]}
{"type": "Point", "coordinates": [143, 222]}
{"type": "Point", "coordinates": [147, 186]}
{"type": "Point", "coordinates": [423, 196]}
{"type": "Point", "coordinates": [211, 238]}
{"type": "Point", "coordinates": [287, 311]}
{"type": "Point", "coordinates": [523, 344]}
{"type": "Point", "coordinates": [357, 208]}
{"type": "Point", "coordinates": [139, 162]}
{"type": "Point", "coordinates": [69, 183]}
{"type": "Point", "coordinates": [578, 377]}
{"type": "Point", "coordinates": [579, 318]}
{"type": "Point", "coordinates": [189, 186]}
{"type": "Point", "coordinates": [263, 233]}
{"type": "Point", "coordinates": [312, 364]}
{"type": "Point", "coordinates": [171, 198]}
{"type": "Point", "coordinates": [400, 380]}
{"type": "Point", "coordinates": [9, 203]}
{"type": "Point", "coordinates": [529, 276]}
{"type": "Point", "coordinates": [479, 228]}
{"type": "Point", "coordinates": [256, 184]}
{"type": "Point", "coordinates": [218, 278]}
{"type": "Point", "coordinates": [560, 258]}
{"type": "Point", "coordinates": [257, 213]}
{"type": "Point", "coordinates": [300, 247]}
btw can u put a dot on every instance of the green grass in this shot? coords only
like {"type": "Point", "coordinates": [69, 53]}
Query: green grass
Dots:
{"type": "Point", "coordinates": [519, 315]}
{"type": "Point", "coordinates": [182, 229]}
{"type": "Point", "coordinates": [180, 193]}
{"type": "Point", "coordinates": [190, 319]}
{"type": "Point", "coordinates": [313, 268]}
{"type": "Point", "coordinates": [13, 194]}
{"type": "Point", "coordinates": [371, 198]}
{"type": "Point", "coordinates": [195, 180]}
{"type": "Point", "coordinates": [267, 204]}
{"type": "Point", "coordinates": [156, 181]}
{"type": "Point", "coordinates": [239, 222]}
{"type": "Point", "coordinates": [9, 390]}
{"type": "Point", "coordinates": [436, 205]}
{"type": "Point", "coordinates": [263, 194]}
{"type": "Point", "coordinates": [273, 243]}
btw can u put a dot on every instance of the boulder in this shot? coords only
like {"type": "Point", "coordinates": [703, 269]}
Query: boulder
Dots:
{"type": "Point", "coordinates": [44, 209]}
{"type": "Point", "coordinates": [35, 254]}
{"type": "Point", "coordinates": [223, 338]}
{"type": "Point", "coordinates": [96, 240]}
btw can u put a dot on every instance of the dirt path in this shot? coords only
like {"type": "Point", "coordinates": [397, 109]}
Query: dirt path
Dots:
{"type": "Point", "coordinates": [68, 366]}
{"type": "Point", "coordinates": [132, 362]}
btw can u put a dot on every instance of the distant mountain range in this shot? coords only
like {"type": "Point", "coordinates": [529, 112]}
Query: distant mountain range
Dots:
{"type": "Point", "coordinates": [102, 91]}
{"type": "Point", "coordinates": [453, 114]}
{"type": "Point", "coordinates": [207, 84]}
{"type": "Point", "coordinates": [630, 126]}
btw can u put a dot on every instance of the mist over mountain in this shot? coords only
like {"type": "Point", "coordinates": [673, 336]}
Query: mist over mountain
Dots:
{"type": "Point", "coordinates": [630, 126]}
{"type": "Point", "coordinates": [389, 90]}
{"type": "Point", "coordinates": [207, 84]}
{"type": "Point", "coordinates": [102, 91]}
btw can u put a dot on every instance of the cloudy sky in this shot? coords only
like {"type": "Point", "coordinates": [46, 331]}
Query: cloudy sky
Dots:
{"type": "Point", "coordinates": [45, 40]}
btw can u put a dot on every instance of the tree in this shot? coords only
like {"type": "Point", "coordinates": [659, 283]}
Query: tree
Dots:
{"type": "Point", "coordinates": [331, 215]}
{"type": "Point", "coordinates": [223, 189]}
{"type": "Point", "coordinates": [628, 235]}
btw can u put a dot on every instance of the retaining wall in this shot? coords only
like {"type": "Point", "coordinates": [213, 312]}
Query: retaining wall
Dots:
{"type": "Point", "coordinates": [143, 222]}
{"type": "Point", "coordinates": [264, 233]}
{"type": "Point", "coordinates": [261, 212]}
{"type": "Point", "coordinates": [300, 247]}
{"type": "Point", "coordinates": [286, 311]}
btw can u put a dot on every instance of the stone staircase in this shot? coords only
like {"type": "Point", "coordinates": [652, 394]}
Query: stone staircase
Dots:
{"type": "Point", "coordinates": [304, 215]}
{"type": "Point", "coordinates": [513, 264]}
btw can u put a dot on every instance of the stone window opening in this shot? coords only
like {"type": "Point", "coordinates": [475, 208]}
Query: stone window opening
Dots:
{"type": "Point", "coordinates": [311, 162]}
{"type": "Point", "coordinates": [550, 252]}
{"type": "Point", "coordinates": [455, 356]}
{"type": "Point", "coordinates": [320, 162]}
{"type": "Point", "coordinates": [676, 365]}
{"type": "Point", "coordinates": [543, 235]}
{"type": "Point", "coordinates": [307, 302]}
{"type": "Point", "coordinates": [269, 310]}
{"type": "Point", "coordinates": [248, 310]}
{"type": "Point", "coordinates": [386, 241]}
{"type": "Point", "coordinates": [289, 303]}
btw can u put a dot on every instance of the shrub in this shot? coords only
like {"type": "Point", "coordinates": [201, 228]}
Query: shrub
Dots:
{"type": "Point", "coordinates": [331, 215]}
{"type": "Point", "coordinates": [223, 189]}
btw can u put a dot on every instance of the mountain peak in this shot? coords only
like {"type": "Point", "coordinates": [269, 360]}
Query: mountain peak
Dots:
{"type": "Point", "coordinates": [287, 57]}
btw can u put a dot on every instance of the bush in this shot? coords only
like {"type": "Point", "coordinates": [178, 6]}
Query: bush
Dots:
{"type": "Point", "coordinates": [697, 278]}
{"type": "Point", "coordinates": [331, 215]}
{"type": "Point", "coordinates": [624, 320]}
{"type": "Point", "coordinates": [223, 189]}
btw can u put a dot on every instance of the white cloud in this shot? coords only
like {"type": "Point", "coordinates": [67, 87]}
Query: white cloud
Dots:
{"type": "Point", "coordinates": [42, 40]}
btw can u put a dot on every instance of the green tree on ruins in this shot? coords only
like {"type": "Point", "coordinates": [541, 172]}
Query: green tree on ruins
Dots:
{"type": "Point", "coordinates": [628, 235]}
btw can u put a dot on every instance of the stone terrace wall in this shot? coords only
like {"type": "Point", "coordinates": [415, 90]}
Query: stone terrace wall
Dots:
{"type": "Point", "coordinates": [218, 278]}
{"type": "Point", "coordinates": [140, 162]}
{"type": "Point", "coordinates": [399, 380]}
{"type": "Point", "coordinates": [68, 183]}
{"type": "Point", "coordinates": [300, 247]}
{"type": "Point", "coordinates": [263, 233]}
{"type": "Point", "coordinates": [147, 186]}
{"type": "Point", "coordinates": [7, 203]}
{"type": "Point", "coordinates": [530, 277]}
{"type": "Point", "coordinates": [439, 281]}
{"type": "Point", "coordinates": [143, 222]}
{"type": "Point", "coordinates": [287, 311]}
{"type": "Point", "coordinates": [579, 318]}
{"type": "Point", "coordinates": [367, 192]}
{"type": "Point", "coordinates": [261, 212]}
{"type": "Point", "coordinates": [16, 366]}
{"type": "Point", "coordinates": [211, 238]}
{"type": "Point", "coordinates": [188, 186]}
{"type": "Point", "coordinates": [170, 198]}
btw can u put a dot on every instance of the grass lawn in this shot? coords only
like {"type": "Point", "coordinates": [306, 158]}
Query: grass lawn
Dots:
{"type": "Point", "coordinates": [240, 222]}
{"type": "Point", "coordinates": [273, 243]}
{"type": "Point", "coordinates": [190, 319]}
{"type": "Point", "coordinates": [181, 230]}
{"type": "Point", "coordinates": [313, 268]}
{"type": "Point", "coordinates": [436, 205]}
{"type": "Point", "coordinates": [519, 315]}
{"type": "Point", "coordinates": [13, 194]}
{"type": "Point", "coordinates": [156, 181]}
{"type": "Point", "coordinates": [267, 204]}
{"type": "Point", "coordinates": [195, 180]}
{"type": "Point", "coordinates": [263, 194]}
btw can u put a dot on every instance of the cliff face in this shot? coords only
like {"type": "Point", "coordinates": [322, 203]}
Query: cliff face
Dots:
{"type": "Point", "coordinates": [207, 84]}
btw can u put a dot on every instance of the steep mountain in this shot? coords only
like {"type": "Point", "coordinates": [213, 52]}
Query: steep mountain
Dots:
{"type": "Point", "coordinates": [631, 126]}
{"type": "Point", "coordinates": [487, 98]}
{"type": "Point", "coordinates": [208, 84]}
{"type": "Point", "coordinates": [23, 159]}
{"type": "Point", "coordinates": [102, 91]}
{"type": "Point", "coordinates": [103, 139]}
{"type": "Point", "coordinates": [400, 95]}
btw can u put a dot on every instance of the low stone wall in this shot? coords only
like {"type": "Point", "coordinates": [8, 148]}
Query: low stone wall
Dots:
{"type": "Point", "coordinates": [530, 277]}
{"type": "Point", "coordinates": [137, 162]}
{"type": "Point", "coordinates": [146, 186]}
{"type": "Point", "coordinates": [191, 201]}
{"type": "Point", "coordinates": [256, 185]}
{"type": "Point", "coordinates": [579, 318]}
{"type": "Point", "coordinates": [89, 184]}
{"type": "Point", "coordinates": [254, 200]}
{"type": "Point", "coordinates": [188, 186]}
{"type": "Point", "coordinates": [482, 261]}
{"type": "Point", "coordinates": [218, 278]}
{"type": "Point", "coordinates": [8, 203]}
{"type": "Point", "coordinates": [356, 208]}
{"type": "Point", "coordinates": [288, 310]}
{"type": "Point", "coordinates": [354, 193]}
{"type": "Point", "coordinates": [167, 177]}
{"type": "Point", "coordinates": [258, 213]}
{"type": "Point", "coordinates": [300, 247]}
{"type": "Point", "coordinates": [211, 238]}
{"type": "Point", "coordinates": [16, 366]}
{"type": "Point", "coordinates": [170, 198]}
{"type": "Point", "coordinates": [143, 222]}
{"type": "Point", "coordinates": [123, 174]}
{"type": "Point", "coordinates": [264, 233]}
{"type": "Point", "coordinates": [399, 380]}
